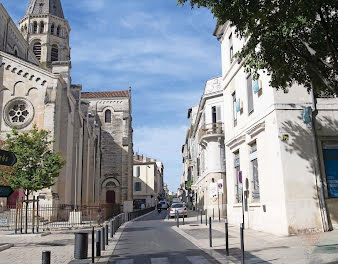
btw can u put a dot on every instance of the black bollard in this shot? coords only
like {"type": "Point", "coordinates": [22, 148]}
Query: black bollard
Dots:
{"type": "Point", "coordinates": [103, 235]}
{"type": "Point", "coordinates": [197, 217]}
{"type": "Point", "coordinates": [206, 218]}
{"type": "Point", "coordinates": [81, 245]}
{"type": "Point", "coordinates": [107, 231]}
{"type": "Point", "coordinates": [242, 242]}
{"type": "Point", "coordinates": [111, 229]}
{"type": "Point", "coordinates": [213, 213]}
{"type": "Point", "coordinates": [98, 243]}
{"type": "Point", "coordinates": [45, 257]}
{"type": "Point", "coordinates": [210, 233]}
{"type": "Point", "coordinates": [177, 219]}
{"type": "Point", "coordinates": [226, 237]}
{"type": "Point", "coordinates": [183, 217]}
{"type": "Point", "coordinates": [93, 245]}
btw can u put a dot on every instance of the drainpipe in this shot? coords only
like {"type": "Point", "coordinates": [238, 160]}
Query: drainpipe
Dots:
{"type": "Point", "coordinates": [325, 222]}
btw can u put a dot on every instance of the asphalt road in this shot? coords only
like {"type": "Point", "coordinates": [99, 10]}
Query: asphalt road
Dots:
{"type": "Point", "coordinates": [150, 240]}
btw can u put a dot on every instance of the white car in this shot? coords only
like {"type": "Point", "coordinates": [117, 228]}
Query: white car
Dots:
{"type": "Point", "coordinates": [178, 207]}
{"type": "Point", "coordinates": [176, 200]}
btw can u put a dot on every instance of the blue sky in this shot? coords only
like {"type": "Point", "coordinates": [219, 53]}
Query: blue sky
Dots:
{"type": "Point", "coordinates": [163, 51]}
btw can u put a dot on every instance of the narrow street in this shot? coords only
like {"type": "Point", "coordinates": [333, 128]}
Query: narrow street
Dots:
{"type": "Point", "coordinates": [151, 240]}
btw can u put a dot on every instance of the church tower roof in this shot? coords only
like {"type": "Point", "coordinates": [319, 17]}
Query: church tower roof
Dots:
{"type": "Point", "coordinates": [52, 7]}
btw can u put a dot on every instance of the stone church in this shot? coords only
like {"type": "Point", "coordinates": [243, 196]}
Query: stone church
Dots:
{"type": "Point", "coordinates": [92, 130]}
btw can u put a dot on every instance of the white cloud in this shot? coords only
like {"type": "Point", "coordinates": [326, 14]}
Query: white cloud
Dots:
{"type": "Point", "coordinates": [164, 144]}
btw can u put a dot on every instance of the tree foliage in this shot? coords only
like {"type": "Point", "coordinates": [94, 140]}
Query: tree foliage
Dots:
{"type": "Point", "coordinates": [37, 164]}
{"type": "Point", "coordinates": [295, 41]}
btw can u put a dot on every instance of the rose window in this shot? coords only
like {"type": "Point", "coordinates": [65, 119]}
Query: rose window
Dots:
{"type": "Point", "coordinates": [18, 113]}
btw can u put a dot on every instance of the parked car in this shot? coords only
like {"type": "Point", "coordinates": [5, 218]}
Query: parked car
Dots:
{"type": "Point", "coordinates": [178, 207]}
{"type": "Point", "coordinates": [164, 205]}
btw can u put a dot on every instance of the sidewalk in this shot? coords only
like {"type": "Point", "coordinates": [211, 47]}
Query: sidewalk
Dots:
{"type": "Point", "coordinates": [261, 247]}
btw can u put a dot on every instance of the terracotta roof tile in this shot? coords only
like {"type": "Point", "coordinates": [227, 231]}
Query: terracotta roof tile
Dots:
{"type": "Point", "coordinates": [110, 94]}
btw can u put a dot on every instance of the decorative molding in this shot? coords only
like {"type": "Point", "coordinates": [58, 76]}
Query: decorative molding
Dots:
{"type": "Point", "coordinates": [235, 142]}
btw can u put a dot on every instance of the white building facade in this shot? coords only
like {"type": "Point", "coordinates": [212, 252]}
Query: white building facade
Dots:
{"type": "Point", "coordinates": [271, 160]}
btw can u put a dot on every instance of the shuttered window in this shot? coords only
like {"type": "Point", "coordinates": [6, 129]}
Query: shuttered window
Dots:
{"type": "Point", "coordinates": [219, 114]}
{"type": "Point", "coordinates": [137, 186]}
{"type": "Point", "coordinates": [234, 105]}
{"type": "Point", "coordinates": [37, 50]}
{"type": "Point", "coordinates": [250, 94]}
{"type": "Point", "coordinates": [138, 171]}
{"type": "Point", "coordinates": [55, 53]}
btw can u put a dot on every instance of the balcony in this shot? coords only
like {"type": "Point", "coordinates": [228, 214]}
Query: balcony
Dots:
{"type": "Point", "coordinates": [210, 132]}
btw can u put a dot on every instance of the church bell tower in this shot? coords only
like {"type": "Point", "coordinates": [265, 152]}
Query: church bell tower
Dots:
{"type": "Point", "coordinates": [47, 31]}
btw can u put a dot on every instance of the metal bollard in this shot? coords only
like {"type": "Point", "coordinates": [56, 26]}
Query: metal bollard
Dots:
{"type": "Point", "coordinates": [81, 245]}
{"type": "Point", "coordinates": [93, 245]}
{"type": "Point", "coordinates": [206, 218]}
{"type": "Point", "coordinates": [98, 243]}
{"type": "Point", "coordinates": [111, 229]}
{"type": "Point", "coordinates": [210, 233]}
{"type": "Point", "coordinates": [213, 213]}
{"type": "Point", "coordinates": [226, 237]}
{"type": "Point", "coordinates": [183, 217]}
{"type": "Point", "coordinates": [177, 219]}
{"type": "Point", "coordinates": [103, 244]}
{"type": "Point", "coordinates": [107, 231]}
{"type": "Point", "coordinates": [242, 242]}
{"type": "Point", "coordinates": [219, 215]}
{"type": "Point", "coordinates": [45, 257]}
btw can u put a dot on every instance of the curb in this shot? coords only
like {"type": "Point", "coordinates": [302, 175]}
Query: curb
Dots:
{"type": "Point", "coordinates": [114, 241]}
{"type": "Point", "coordinates": [6, 246]}
{"type": "Point", "coordinates": [211, 252]}
{"type": "Point", "coordinates": [29, 235]}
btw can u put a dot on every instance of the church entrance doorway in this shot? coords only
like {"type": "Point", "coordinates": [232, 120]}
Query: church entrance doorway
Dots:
{"type": "Point", "coordinates": [110, 197]}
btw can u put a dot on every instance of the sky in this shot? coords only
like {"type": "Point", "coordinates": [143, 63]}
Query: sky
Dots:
{"type": "Point", "coordinates": [164, 52]}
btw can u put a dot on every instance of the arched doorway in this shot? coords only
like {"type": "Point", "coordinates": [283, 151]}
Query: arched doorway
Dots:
{"type": "Point", "coordinates": [110, 197]}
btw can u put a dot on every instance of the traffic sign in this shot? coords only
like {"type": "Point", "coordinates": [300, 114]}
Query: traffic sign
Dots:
{"type": "Point", "coordinates": [5, 191]}
{"type": "Point", "coordinates": [240, 177]}
{"type": "Point", "coordinates": [7, 158]}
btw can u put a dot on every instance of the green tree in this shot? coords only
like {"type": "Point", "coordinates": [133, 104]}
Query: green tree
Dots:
{"type": "Point", "coordinates": [37, 164]}
{"type": "Point", "coordinates": [295, 41]}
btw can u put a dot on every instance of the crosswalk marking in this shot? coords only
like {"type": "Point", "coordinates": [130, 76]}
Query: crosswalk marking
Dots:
{"type": "Point", "coordinates": [159, 261]}
{"type": "Point", "coordinates": [125, 261]}
{"type": "Point", "coordinates": [198, 260]}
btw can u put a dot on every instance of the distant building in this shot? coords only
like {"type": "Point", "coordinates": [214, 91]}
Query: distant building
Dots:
{"type": "Point", "coordinates": [148, 181]}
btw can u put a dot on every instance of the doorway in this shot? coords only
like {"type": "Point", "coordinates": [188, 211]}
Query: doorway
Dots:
{"type": "Point", "coordinates": [110, 197]}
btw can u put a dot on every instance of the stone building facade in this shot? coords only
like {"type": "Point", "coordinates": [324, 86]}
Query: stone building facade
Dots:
{"type": "Point", "coordinates": [36, 88]}
{"type": "Point", "coordinates": [148, 181]}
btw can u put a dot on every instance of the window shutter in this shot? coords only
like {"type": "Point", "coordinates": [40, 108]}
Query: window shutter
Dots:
{"type": "Point", "coordinates": [250, 94]}
{"type": "Point", "coordinates": [219, 114]}
{"type": "Point", "coordinates": [238, 105]}
{"type": "Point", "coordinates": [138, 171]}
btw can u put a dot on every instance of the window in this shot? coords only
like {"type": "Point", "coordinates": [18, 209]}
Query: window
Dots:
{"type": "Point", "coordinates": [138, 171]}
{"type": "Point", "coordinates": [42, 27]}
{"type": "Point", "coordinates": [55, 53]}
{"type": "Point", "coordinates": [37, 50]}
{"type": "Point", "coordinates": [58, 31]}
{"type": "Point", "coordinates": [234, 110]}
{"type": "Point", "coordinates": [107, 116]}
{"type": "Point", "coordinates": [330, 153]}
{"type": "Point", "coordinates": [214, 114]}
{"type": "Point", "coordinates": [254, 170]}
{"type": "Point", "coordinates": [231, 49]}
{"type": "Point", "coordinates": [198, 166]}
{"type": "Point", "coordinates": [35, 27]}
{"type": "Point", "coordinates": [52, 29]}
{"type": "Point", "coordinates": [137, 186]}
{"type": "Point", "coordinates": [15, 53]}
{"type": "Point", "coordinates": [238, 185]}
{"type": "Point", "coordinates": [250, 94]}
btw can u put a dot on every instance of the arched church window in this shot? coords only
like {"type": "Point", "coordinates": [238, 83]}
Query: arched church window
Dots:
{"type": "Point", "coordinates": [35, 27]}
{"type": "Point", "coordinates": [55, 53]}
{"type": "Point", "coordinates": [52, 28]}
{"type": "Point", "coordinates": [58, 31]}
{"type": "Point", "coordinates": [107, 116]}
{"type": "Point", "coordinates": [15, 53]}
{"type": "Point", "coordinates": [42, 27]}
{"type": "Point", "coordinates": [37, 50]}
